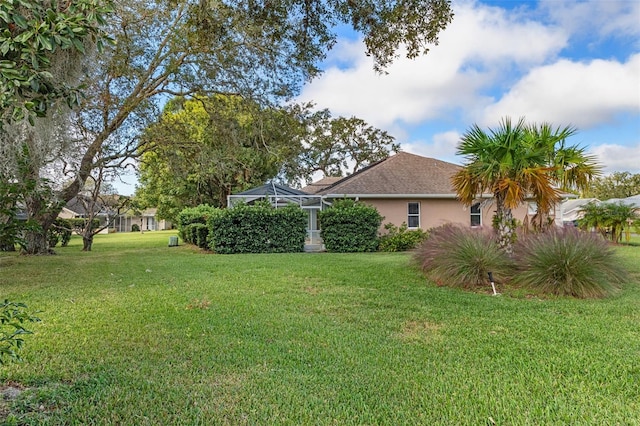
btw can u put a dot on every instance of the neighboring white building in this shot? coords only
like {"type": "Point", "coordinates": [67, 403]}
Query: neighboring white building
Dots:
{"type": "Point", "coordinates": [572, 209]}
{"type": "Point", "coordinates": [146, 221]}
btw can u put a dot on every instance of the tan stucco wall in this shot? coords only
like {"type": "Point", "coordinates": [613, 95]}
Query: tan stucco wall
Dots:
{"type": "Point", "coordinates": [436, 212]}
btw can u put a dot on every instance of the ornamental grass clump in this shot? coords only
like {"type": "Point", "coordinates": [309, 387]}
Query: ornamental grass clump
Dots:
{"type": "Point", "coordinates": [568, 262]}
{"type": "Point", "coordinates": [461, 257]}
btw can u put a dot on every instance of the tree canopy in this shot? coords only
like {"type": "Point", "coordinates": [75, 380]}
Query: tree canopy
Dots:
{"type": "Point", "coordinates": [336, 146]}
{"type": "Point", "coordinates": [205, 148]}
{"type": "Point", "coordinates": [616, 185]}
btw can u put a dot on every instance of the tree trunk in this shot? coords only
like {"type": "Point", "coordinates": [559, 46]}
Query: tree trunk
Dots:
{"type": "Point", "coordinates": [504, 225]}
{"type": "Point", "coordinates": [36, 240]}
{"type": "Point", "coordinates": [87, 242]}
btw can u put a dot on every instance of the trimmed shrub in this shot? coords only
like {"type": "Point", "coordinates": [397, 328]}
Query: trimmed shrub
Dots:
{"type": "Point", "coordinates": [401, 238]}
{"type": "Point", "coordinates": [196, 234]}
{"type": "Point", "coordinates": [461, 257]}
{"type": "Point", "coordinates": [53, 238]}
{"type": "Point", "coordinates": [189, 215]}
{"type": "Point", "coordinates": [199, 233]}
{"type": "Point", "coordinates": [567, 262]}
{"type": "Point", "coordinates": [135, 228]}
{"type": "Point", "coordinates": [287, 229]}
{"type": "Point", "coordinates": [349, 226]}
{"type": "Point", "coordinates": [260, 228]}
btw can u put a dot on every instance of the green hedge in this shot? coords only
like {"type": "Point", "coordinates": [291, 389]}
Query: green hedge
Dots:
{"type": "Point", "coordinates": [190, 215]}
{"type": "Point", "coordinates": [199, 233]}
{"type": "Point", "coordinates": [349, 226]}
{"type": "Point", "coordinates": [258, 229]}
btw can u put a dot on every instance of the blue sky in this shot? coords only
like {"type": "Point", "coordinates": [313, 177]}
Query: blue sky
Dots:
{"type": "Point", "coordinates": [559, 61]}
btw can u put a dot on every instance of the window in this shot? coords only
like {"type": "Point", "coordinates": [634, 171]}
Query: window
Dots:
{"type": "Point", "coordinates": [413, 215]}
{"type": "Point", "coordinates": [476, 215]}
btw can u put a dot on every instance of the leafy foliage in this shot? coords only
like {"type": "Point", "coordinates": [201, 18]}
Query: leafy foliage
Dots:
{"type": "Point", "coordinates": [191, 215]}
{"type": "Point", "coordinates": [616, 185]}
{"type": "Point", "coordinates": [34, 30]}
{"type": "Point", "coordinates": [202, 150]}
{"type": "Point", "coordinates": [198, 234]}
{"type": "Point", "coordinates": [9, 225]}
{"type": "Point", "coordinates": [567, 262]}
{"type": "Point", "coordinates": [62, 229]}
{"type": "Point", "coordinates": [13, 318]}
{"type": "Point", "coordinates": [610, 219]}
{"type": "Point", "coordinates": [259, 228]}
{"type": "Point", "coordinates": [462, 257]}
{"type": "Point", "coordinates": [401, 238]}
{"type": "Point", "coordinates": [335, 146]}
{"type": "Point", "coordinates": [350, 226]}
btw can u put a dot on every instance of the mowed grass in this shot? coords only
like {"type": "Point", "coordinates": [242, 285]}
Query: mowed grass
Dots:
{"type": "Point", "coordinates": [139, 333]}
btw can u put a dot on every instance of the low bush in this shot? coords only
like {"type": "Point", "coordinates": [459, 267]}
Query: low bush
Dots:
{"type": "Point", "coordinates": [349, 226]}
{"type": "Point", "coordinates": [62, 229]}
{"type": "Point", "coordinates": [199, 232]}
{"type": "Point", "coordinates": [13, 317]}
{"type": "Point", "coordinates": [190, 215]}
{"type": "Point", "coordinates": [401, 238]}
{"type": "Point", "coordinates": [567, 262]}
{"type": "Point", "coordinates": [461, 257]}
{"type": "Point", "coordinates": [135, 228]}
{"type": "Point", "coordinates": [258, 228]}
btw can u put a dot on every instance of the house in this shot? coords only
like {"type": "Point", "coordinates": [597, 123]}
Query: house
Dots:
{"type": "Point", "coordinates": [77, 208]}
{"type": "Point", "coordinates": [633, 201]}
{"type": "Point", "coordinates": [144, 220]}
{"type": "Point", "coordinates": [417, 190]}
{"type": "Point", "coordinates": [404, 187]}
{"type": "Point", "coordinates": [572, 209]}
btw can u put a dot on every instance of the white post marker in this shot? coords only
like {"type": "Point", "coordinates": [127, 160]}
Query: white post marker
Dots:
{"type": "Point", "coordinates": [493, 285]}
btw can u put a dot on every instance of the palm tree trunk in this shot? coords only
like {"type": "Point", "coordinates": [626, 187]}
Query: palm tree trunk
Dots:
{"type": "Point", "coordinates": [504, 225]}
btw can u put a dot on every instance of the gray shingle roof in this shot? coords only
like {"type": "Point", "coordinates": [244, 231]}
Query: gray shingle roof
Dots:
{"type": "Point", "coordinates": [272, 189]}
{"type": "Point", "coordinates": [402, 173]}
{"type": "Point", "coordinates": [319, 185]}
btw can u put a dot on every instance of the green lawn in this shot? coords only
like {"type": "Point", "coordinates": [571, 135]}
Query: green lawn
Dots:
{"type": "Point", "coordinates": [139, 333]}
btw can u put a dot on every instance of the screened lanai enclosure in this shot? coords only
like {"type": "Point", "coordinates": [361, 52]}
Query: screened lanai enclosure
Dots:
{"type": "Point", "coordinates": [280, 196]}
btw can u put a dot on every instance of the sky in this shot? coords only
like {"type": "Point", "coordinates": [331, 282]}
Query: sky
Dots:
{"type": "Point", "coordinates": [564, 62]}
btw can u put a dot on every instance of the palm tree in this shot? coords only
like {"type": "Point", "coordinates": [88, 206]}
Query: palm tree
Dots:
{"type": "Point", "coordinates": [514, 162]}
{"type": "Point", "coordinates": [609, 218]}
{"type": "Point", "coordinates": [570, 167]}
{"type": "Point", "coordinates": [507, 163]}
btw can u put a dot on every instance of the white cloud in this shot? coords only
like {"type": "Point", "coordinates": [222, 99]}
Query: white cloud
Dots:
{"type": "Point", "coordinates": [615, 18]}
{"type": "Point", "coordinates": [474, 53]}
{"type": "Point", "coordinates": [442, 146]}
{"type": "Point", "coordinates": [492, 63]}
{"type": "Point", "coordinates": [618, 157]}
{"type": "Point", "coordinates": [566, 92]}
